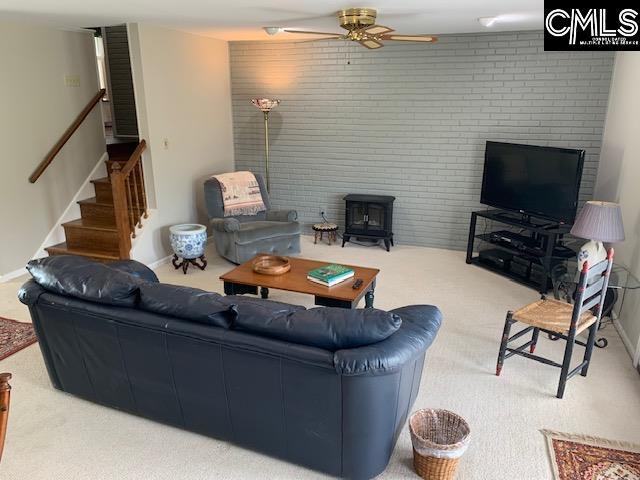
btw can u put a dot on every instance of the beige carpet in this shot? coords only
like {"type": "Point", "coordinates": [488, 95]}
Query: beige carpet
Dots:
{"type": "Point", "coordinates": [56, 436]}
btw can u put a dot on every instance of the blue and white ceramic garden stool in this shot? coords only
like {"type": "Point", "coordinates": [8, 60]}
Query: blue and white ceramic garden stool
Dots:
{"type": "Point", "coordinates": [188, 242]}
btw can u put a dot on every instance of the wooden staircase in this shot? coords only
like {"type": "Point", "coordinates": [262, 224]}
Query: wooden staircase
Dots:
{"type": "Point", "coordinates": [95, 234]}
{"type": "Point", "coordinates": [108, 221]}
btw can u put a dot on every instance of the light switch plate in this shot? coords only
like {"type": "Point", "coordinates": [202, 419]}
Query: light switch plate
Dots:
{"type": "Point", "coordinates": [72, 80]}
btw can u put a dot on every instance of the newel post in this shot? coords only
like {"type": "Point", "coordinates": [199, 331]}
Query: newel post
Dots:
{"type": "Point", "coordinates": [121, 211]}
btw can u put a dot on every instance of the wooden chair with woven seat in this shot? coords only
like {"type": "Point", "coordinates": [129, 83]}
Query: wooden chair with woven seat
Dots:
{"type": "Point", "coordinates": [561, 320]}
{"type": "Point", "coordinates": [5, 391]}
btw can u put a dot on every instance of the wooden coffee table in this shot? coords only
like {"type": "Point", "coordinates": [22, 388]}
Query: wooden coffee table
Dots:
{"type": "Point", "coordinates": [243, 279]}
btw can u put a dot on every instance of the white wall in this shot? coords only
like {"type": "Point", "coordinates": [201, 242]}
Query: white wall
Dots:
{"type": "Point", "coordinates": [183, 95]}
{"type": "Point", "coordinates": [619, 176]}
{"type": "Point", "coordinates": [35, 109]}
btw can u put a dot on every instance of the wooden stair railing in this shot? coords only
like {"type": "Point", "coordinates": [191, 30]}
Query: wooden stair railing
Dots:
{"type": "Point", "coordinates": [5, 393]}
{"type": "Point", "coordinates": [66, 136]}
{"type": "Point", "coordinates": [129, 198]}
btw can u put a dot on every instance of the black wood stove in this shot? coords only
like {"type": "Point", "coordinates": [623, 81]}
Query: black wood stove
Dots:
{"type": "Point", "coordinates": [369, 217]}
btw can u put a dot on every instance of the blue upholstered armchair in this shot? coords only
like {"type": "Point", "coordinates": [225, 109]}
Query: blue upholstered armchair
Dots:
{"type": "Point", "coordinates": [240, 237]}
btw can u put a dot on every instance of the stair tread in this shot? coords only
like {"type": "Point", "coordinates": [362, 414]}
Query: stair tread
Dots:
{"type": "Point", "coordinates": [94, 201]}
{"type": "Point", "coordinates": [101, 180]}
{"type": "Point", "coordinates": [93, 224]}
{"type": "Point", "coordinates": [84, 252]}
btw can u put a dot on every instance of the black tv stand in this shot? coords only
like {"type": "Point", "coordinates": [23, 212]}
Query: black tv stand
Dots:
{"type": "Point", "coordinates": [526, 256]}
{"type": "Point", "coordinates": [524, 220]}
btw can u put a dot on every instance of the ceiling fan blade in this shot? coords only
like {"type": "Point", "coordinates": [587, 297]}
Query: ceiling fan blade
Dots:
{"type": "Point", "coordinates": [410, 38]}
{"type": "Point", "coordinates": [317, 39]}
{"type": "Point", "coordinates": [326, 34]}
{"type": "Point", "coordinates": [371, 44]}
{"type": "Point", "coordinates": [375, 30]}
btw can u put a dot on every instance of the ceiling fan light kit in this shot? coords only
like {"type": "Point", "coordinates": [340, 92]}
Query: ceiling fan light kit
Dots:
{"type": "Point", "coordinates": [361, 27]}
{"type": "Point", "coordinates": [272, 30]}
{"type": "Point", "coordinates": [487, 21]}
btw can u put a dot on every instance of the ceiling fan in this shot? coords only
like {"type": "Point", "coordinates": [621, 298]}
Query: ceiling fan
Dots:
{"type": "Point", "coordinates": [361, 27]}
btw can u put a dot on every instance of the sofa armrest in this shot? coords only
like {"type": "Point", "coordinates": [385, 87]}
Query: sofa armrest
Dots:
{"type": "Point", "coordinates": [30, 292]}
{"type": "Point", "coordinates": [225, 224]}
{"type": "Point", "coordinates": [420, 325]}
{"type": "Point", "coordinates": [282, 215]}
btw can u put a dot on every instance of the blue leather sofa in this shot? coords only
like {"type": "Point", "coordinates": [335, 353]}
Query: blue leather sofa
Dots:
{"type": "Point", "coordinates": [326, 388]}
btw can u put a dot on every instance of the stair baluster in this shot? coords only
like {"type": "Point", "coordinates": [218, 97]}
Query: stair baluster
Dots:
{"type": "Point", "coordinates": [120, 208]}
{"type": "Point", "coordinates": [143, 189]}
{"type": "Point", "coordinates": [136, 207]}
{"type": "Point", "coordinates": [132, 220]}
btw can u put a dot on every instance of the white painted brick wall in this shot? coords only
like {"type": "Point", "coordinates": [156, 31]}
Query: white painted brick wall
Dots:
{"type": "Point", "coordinates": [411, 120]}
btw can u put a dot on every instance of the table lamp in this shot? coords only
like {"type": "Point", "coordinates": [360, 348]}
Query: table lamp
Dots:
{"type": "Point", "coordinates": [597, 222]}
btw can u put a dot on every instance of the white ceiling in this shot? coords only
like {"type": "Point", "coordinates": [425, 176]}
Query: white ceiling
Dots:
{"type": "Point", "coordinates": [244, 19]}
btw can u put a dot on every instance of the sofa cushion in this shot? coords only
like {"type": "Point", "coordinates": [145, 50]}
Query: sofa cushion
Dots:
{"type": "Point", "coordinates": [137, 269]}
{"type": "Point", "coordinates": [251, 231]}
{"type": "Point", "coordinates": [263, 309]}
{"type": "Point", "coordinates": [85, 279]}
{"type": "Point", "coordinates": [187, 303]}
{"type": "Point", "coordinates": [325, 327]}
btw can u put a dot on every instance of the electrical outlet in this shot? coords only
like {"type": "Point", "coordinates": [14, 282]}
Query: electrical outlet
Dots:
{"type": "Point", "coordinates": [72, 80]}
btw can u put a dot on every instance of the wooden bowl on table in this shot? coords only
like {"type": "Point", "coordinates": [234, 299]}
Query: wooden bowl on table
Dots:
{"type": "Point", "coordinates": [271, 265]}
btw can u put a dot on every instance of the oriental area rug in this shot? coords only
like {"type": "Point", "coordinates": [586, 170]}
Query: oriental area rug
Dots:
{"type": "Point", "coordinates": [14, 336]}
{"type": "Point", "coordinates": [582, 457]}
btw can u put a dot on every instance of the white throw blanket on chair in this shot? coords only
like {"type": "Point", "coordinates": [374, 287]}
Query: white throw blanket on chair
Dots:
{"type": "Point", "coordinates": [240, 193]}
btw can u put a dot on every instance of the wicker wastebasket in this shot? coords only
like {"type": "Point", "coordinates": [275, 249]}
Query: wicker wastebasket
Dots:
{"type": "Point", "coordinates": [439, 439]}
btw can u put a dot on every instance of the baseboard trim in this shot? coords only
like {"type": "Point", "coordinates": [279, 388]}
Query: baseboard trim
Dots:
{"type": "Point", "coordinates": [7, 277]}
{"type": "Point", "coordinates": [631, 349]}
{"type": "Point", "coordinates": [158, 263]}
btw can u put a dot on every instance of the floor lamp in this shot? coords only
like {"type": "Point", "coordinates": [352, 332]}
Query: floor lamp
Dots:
{"type": "Point", "coordinates": [266, 105]}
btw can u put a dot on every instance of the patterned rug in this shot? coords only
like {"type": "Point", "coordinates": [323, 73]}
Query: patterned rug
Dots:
{"type": "Point", "coordinates": [14, 336]}
{"type": "Point", "coordinates": [581, 457]}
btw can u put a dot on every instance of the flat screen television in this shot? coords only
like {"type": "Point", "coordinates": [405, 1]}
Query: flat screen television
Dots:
{"type": "Point", "coordinates": [537, 181]}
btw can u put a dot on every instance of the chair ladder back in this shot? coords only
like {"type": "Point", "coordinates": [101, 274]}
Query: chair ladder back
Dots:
{"type": "Point", "coordinates": [595, 287]}
{"type": "Point", "coordinates": [597, 270]}
{"type": "Point", "coordinates": [580, 297]}
{"type": "Point", "coordinates": [594, 294]}
{"type": "Point", "coordinates": [606, 275]}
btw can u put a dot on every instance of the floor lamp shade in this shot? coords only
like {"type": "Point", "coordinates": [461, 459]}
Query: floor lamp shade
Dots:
{"type": "Point", "coordinates": [266, 105]}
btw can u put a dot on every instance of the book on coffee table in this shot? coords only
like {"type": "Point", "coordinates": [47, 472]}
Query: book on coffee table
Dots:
{"type": "Point", "coordinates": [330, 275]}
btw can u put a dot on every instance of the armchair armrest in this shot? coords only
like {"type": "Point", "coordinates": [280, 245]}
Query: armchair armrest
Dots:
{"type": "Point", "coordinates": [225, 224]}
{"type": "Point", "coordinates": [282, 215]}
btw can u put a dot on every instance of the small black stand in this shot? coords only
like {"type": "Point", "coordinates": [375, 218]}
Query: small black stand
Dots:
{"type": "Point", "coordinates": [189, 261]}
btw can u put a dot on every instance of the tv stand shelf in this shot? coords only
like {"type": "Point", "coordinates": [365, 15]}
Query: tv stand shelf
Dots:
{"type": "Point", "coordinates": [527, 260]}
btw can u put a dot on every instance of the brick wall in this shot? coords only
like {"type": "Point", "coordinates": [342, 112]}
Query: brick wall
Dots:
{"type": "Point", "coordinates": [410, 120]}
